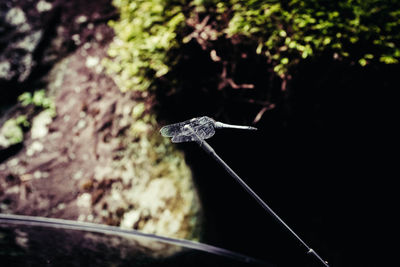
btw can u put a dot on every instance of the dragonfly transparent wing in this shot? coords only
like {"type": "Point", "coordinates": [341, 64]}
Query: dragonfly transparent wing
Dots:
{"type": "Point", "coordinates": [183, 138]}
{"type": "Point", "coordinates": [202, 126]}
{"type": "Point", "coordinates": [196, 128]}
{"type": "Point", "coordinates": [204, 131]}
{"type": "Point", "coordinates": [173, 129]}
{"type": "Point", "coordinates": [196, 134]}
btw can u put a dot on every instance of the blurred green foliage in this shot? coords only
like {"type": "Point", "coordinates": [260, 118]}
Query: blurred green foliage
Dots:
{"type": "Point", "coordinates": [282, 32]}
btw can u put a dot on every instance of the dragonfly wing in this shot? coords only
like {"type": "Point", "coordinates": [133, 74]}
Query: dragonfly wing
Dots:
{"type": "Point", "coordinates": [182, 138]}
{"type": "Point", "coordinates": [205, 131]}
{"type": "Point", "coordinates": [165, 131]}
{"type": "Point", "coordinates": [201, 127]}
{"type": "Point", "coordinates": [200, 121]}
{"type": "Point", "coordinates": [177, 128]}
{"type": "Point", "coordinates": [172, 129]}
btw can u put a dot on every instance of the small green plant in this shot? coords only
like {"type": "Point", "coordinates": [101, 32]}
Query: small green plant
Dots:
{"type": "Point", "coordinates": [38, 99]}
{"type": "Point", "coordinates": [11, 132]}
{"type": "Point", "coordinates": [22, 121]}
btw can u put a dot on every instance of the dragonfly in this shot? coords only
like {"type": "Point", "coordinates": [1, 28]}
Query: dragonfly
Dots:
{"type": "Point", "coordinates": [197, 128]}
{"type": "Point", "coordinates": [201, 128]}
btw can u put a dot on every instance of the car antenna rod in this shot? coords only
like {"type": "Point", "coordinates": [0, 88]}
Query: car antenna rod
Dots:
{"type": "Point", "coordinates": [201, 128]}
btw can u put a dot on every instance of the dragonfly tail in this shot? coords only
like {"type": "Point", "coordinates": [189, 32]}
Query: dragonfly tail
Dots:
{"type": "Point", "coordinates": [220, 125]}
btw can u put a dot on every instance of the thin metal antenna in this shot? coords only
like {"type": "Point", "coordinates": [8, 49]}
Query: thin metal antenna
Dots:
{"type": "Point", "coordinates": [206, 147]}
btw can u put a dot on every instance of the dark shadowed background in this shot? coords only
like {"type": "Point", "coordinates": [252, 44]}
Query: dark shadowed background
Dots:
{"type": "Point", "coordinates": [322, 96]}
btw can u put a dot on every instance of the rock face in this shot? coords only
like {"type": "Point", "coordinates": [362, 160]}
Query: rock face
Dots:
{"type": "Point", "coordinates": [23, 26]}
{"type": "Point", "coordinates": [98, 159]}
{"type": "Point", "coordinates": [35, 34]}
{"type": "Point", "coordinates": [20, 41]}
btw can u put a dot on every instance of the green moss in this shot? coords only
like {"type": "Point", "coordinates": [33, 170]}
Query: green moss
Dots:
{"type": "Point", "coordinates": [284, 33]}
{"type": "Point", "coordinates": [301, 29]}
{"type": "Point", "coordinates": [145, 32]}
